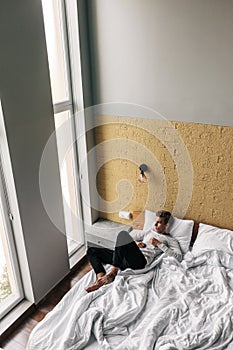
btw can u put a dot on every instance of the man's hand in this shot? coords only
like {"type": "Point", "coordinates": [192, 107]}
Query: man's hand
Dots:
{"type": "Point", "coordinates": [154, 242]}
{"type": "Point", "coordinates": [141, 244]}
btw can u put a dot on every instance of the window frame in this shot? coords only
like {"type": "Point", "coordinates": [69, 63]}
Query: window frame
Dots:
{"type": "Point", "coordinates": [74, 104]}
{"type": "Point", "coordinates": [10, 216]}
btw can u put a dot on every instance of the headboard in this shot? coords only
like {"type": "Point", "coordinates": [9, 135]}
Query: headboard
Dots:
{"type": "Point", "coordinates": [139, 218]}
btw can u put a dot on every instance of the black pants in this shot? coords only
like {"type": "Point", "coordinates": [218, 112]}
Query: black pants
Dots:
{"type": "Point", "coordinates": [126, 254]}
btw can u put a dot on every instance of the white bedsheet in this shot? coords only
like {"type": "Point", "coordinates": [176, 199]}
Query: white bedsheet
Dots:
{"type": "Point", "coordinates": [167, 306]}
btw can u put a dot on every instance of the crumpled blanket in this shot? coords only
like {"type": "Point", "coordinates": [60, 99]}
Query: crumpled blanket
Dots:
{"type": "Point", "coordinates": [166, 306]}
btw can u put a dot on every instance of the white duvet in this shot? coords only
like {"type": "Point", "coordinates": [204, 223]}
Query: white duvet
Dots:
{"type": "Point", "coordinates": [167, 306]}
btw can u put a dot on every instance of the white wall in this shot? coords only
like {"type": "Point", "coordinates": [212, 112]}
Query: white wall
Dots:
{"type": "Point", "coordinates": [174, 56]}
{"type": "Point", "coordinates": [26, 100]}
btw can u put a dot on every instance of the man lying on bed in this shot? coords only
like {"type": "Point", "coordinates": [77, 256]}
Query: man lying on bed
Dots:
{"type": "Point", "coordinates": [132, 254]}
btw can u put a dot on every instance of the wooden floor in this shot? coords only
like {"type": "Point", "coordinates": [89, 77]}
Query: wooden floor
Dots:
{"type": "Point", "coordinates": [18, 338]}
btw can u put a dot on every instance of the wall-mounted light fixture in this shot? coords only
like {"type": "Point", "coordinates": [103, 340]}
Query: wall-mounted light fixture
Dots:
{"type": "Point", "coordinates": [142, 177]}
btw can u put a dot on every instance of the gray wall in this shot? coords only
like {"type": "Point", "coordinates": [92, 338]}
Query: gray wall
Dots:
{"type": "Point", "coordinates": [174, 56]}
{"type": "Point", "coordinates": [26, 99]}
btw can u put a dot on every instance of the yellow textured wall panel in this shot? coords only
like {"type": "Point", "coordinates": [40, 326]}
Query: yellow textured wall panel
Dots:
{"type": "Point", "coordinates": [189, 168]}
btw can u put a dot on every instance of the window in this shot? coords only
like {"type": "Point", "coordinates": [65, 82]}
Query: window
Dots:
{"type": "Point", "coordinates": [11, 291]}
{"type": "Point", "coordinates": [59, 21]}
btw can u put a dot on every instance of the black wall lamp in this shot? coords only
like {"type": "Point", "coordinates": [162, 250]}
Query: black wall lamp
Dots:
{"type": "Point", "coordinates": [142, 177]}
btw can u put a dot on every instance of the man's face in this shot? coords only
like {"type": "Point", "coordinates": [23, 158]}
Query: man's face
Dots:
{"type": "Point", "coordinates": [160, 226]}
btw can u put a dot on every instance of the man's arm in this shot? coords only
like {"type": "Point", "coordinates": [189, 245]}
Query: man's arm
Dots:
{"type": "Point", "coordinates": [172, 250]}
{"type": "Point", "coordinates": [141, 244]}
{"type": "Point", "coordinates": [137, 235]}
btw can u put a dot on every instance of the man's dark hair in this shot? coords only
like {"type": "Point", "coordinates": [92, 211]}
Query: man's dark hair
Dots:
{"type": "Point", "coordinates": [166, 215]}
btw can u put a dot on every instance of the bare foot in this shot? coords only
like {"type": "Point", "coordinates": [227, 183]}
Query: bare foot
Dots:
{"type": "Point", "coordinates": [109, 278]}
{"type": "Point", "coordinates": [93, 286]}
{"type": "Point", "coordinates": [106, 279]}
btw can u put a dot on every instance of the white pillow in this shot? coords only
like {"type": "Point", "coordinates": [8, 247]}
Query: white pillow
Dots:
{"type": "Point", "coordinates": [213, 238]}
{"type": "Point", "coordinates": [179, 229]}
{"type": "Point", "coordinates": [182, 230]}
{"type": "Point", "coordinates": [150, 218]}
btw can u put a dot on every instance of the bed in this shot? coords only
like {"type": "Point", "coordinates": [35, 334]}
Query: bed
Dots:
{"type": "Point", "coordinates": [167, 305]}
